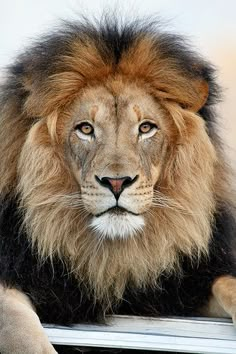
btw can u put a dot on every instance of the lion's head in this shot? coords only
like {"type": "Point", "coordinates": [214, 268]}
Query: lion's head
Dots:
{"type": "Point", "coordinates": [107, 143]}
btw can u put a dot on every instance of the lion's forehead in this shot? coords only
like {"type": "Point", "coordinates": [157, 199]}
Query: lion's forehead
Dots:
{"type": "Point", "coordinates": [100, 104]}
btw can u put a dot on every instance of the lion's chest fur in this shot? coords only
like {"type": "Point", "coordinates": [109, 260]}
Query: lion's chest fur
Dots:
{"type": "Point", "coordinates": [60, 298]}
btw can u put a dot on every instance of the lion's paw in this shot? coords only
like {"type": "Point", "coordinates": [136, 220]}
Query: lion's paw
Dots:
{"type": "Point", "coordinates": [25, 343]}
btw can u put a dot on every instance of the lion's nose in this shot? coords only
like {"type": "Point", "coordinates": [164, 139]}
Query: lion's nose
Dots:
{"type": "Point", "coordinates": [116, 185]}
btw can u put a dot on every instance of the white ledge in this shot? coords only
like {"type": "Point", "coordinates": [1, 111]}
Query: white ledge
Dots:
{"type": "Point", "coordinates": [183, 335]}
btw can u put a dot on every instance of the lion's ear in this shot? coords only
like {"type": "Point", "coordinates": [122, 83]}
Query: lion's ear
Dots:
{"type": "Point", "coordinates": [201, 89]}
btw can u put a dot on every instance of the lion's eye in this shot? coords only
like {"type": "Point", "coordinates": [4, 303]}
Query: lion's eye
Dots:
{"type": "Point", "coordinates": [147, 127]}
{"type": "Point", "coordinates": [85, 128]}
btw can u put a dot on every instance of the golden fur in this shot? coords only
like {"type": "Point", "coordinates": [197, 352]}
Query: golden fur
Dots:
{"type": "Point", "coordinates": [34, 166]}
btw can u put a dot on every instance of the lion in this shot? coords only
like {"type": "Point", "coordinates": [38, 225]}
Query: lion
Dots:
{"type": "Point", "coordinates": [115, 194]}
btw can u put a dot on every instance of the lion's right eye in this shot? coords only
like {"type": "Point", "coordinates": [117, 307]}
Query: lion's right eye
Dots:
{"type": "Point", "coordinates": [85, 128]}
{"type": "Point", "coordinates": [146, 127]}
{"type": "Point", "coordinates": [147, 130]}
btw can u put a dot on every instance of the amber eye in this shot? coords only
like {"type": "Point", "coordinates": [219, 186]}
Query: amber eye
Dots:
{"type": "Point", "coordinates": [85, 128]}
{"type": "Point", "coordinates": [146, 127]}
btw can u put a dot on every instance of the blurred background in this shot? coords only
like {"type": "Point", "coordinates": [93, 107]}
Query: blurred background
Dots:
{"type": "Point", "coordinates": [209, 24]}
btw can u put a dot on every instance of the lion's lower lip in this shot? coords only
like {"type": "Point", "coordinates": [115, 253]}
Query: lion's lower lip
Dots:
{"type": "Point", "coordinates": [116, 210]}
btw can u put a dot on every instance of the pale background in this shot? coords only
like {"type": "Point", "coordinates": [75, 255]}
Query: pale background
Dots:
{"type": "Point", "coordinates": [210, 24]}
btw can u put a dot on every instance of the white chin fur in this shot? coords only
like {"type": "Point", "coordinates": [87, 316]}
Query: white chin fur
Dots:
{"type": "Point", "coordinates": [117, 226]}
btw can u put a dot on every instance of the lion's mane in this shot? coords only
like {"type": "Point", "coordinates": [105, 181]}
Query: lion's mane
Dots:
{"type": "Point", "coordinates": [44, 82]}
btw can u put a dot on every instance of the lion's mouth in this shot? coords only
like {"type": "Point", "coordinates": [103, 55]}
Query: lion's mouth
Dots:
{"type": "Point", "coordinates": [116, 210]}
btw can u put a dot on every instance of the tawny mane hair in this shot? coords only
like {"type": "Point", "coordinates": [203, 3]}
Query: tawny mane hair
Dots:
{"type": "Point", "coordinates": [41, 87]}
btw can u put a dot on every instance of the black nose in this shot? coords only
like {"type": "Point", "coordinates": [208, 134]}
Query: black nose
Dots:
{"type": "Point", "coordinates": [116, 185]}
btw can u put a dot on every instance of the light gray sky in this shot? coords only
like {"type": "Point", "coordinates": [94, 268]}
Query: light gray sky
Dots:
{"type": "Point", "coordinates": [210, 24]}
{"type": "Point", "coordinates": [205, 21]}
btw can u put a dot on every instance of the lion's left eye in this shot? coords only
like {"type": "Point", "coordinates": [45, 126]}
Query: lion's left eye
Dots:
{"type": "Point", "coordinates": [147, 127]}
{"type": "Point", "coordinates": [85, 128]}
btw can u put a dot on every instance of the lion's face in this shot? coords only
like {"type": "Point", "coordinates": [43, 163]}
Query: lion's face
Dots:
{"type": "Point", "coordinates": [115, 147]}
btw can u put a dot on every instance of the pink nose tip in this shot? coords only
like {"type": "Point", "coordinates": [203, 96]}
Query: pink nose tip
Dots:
{"type": "Point", "coordinates": [116, 183]}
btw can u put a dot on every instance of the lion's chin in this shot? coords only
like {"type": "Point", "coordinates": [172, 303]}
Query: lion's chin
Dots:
{"type": "Point", "coordinates": [117, 226]}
